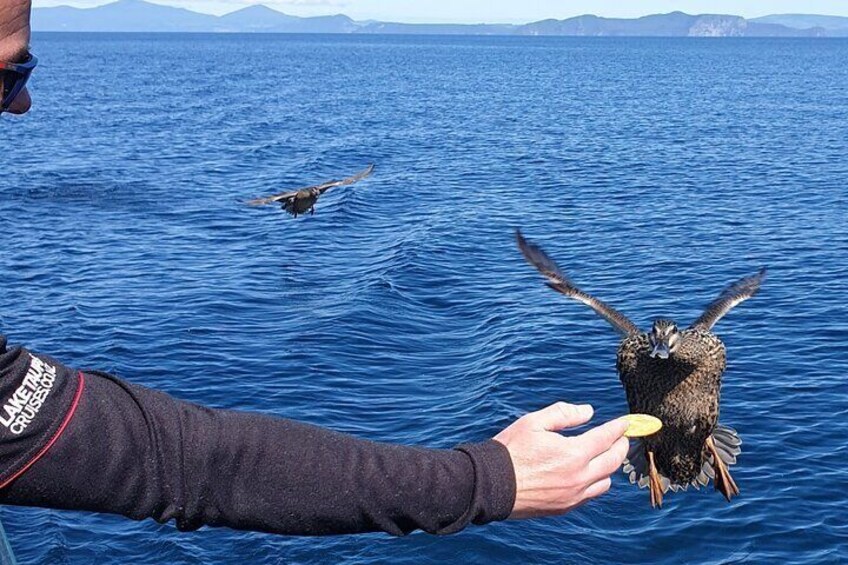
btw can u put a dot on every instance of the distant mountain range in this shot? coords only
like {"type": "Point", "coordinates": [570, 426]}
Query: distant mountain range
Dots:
{"type": "Point", "coordinates": [141, 16]}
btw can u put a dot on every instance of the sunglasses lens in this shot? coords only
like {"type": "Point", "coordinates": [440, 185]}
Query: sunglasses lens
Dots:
{"type": "Point", "coordinates": [12, 85]}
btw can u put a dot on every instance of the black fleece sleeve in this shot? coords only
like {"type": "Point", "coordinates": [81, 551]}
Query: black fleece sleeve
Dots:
{"type": "Point", "coordinates": [90, 441]}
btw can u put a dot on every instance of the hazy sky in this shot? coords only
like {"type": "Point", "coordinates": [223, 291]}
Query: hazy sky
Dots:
{"type": "Point", "coordinates": [496, 11]}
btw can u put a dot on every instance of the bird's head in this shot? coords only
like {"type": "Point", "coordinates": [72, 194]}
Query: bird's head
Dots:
{"type": "Point", "coordinates": [664, 338]}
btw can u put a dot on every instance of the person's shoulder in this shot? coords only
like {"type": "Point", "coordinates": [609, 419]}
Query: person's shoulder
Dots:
{"type": "Point", "coordinates": [38, 396]}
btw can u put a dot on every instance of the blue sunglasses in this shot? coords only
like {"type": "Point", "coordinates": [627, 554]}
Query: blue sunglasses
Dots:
{"type": "Point", "coordinates": [13, 79]}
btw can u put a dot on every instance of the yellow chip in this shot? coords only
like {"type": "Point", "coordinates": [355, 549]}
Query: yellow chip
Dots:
{"type": "Point", "coordinates": [642, 425]}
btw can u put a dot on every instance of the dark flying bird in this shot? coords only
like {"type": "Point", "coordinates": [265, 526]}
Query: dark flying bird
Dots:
{"type": "Point", "coordinates": [673, 375]}
{"type": "Point", "coordinates": [303, 200]}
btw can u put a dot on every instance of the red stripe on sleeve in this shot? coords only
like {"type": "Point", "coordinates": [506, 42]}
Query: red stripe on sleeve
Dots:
{"type": "Point", "coordinates": [55, 437]}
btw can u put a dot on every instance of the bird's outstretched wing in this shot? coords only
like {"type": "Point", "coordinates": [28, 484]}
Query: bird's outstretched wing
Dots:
{"type": "Point", "coordinates": [273, 198]}
{"type": "Point", "coordinates": [560, 283]}
{"type": "Point", "coordinates": [741, 290]}
{"type": "Point", "coordinates": [321, 188]}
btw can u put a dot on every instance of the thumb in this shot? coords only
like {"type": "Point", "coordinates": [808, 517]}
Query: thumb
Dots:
{"type": "Point", "coordinates": [560, 416]}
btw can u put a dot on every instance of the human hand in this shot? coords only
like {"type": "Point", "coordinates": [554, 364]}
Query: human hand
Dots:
{"type": "Point", "coordinates": [14, 42]}
{"type": "Point", "coordinates": [554, 474]}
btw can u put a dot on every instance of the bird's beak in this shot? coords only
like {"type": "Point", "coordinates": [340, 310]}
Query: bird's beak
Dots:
{"type": "Point", "coordinates": [660, 350]}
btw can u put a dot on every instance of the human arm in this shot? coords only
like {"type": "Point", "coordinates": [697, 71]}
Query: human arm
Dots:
{"type": "Point", "coordinates": [140, 453]}
{"type": "Point", "coordinates": [98, 443]}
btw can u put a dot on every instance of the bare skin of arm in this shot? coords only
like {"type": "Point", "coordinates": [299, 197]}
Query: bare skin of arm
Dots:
{"type": "Point", "coordinates": [14, 41]}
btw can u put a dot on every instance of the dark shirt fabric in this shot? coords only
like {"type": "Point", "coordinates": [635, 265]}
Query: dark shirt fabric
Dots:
{"type": "Point", "coordinates": [86, 440]}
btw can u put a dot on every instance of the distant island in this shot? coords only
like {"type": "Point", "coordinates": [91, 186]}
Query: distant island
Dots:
{"type": "Point", "coordinates": [141, 16]}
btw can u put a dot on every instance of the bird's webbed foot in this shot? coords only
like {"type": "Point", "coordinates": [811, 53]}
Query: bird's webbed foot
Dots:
{"type": "Point", "coordinates": [654, 483]}
{"type": "Point", "coordinates": [724, 483]}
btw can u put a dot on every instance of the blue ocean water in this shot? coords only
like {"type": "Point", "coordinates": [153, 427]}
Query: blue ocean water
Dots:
{"type": "Point", "coordinates": [655, 170]}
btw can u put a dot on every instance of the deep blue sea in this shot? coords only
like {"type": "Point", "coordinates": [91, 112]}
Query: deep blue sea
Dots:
{"type": "Point", "coordinates": [655, 171]}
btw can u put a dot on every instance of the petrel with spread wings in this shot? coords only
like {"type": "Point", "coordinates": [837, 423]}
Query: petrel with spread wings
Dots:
{"type": "Point", "coordinates": [675, 376]}
{"type": "Point", "coordinates": [303, 200]}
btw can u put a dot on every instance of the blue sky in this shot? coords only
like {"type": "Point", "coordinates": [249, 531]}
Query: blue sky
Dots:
{"type": "Point", "coordinates": [496, 11]}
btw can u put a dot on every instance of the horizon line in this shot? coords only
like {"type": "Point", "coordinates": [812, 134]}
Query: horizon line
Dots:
{"type": "Point", "coordinates": [159, 3]}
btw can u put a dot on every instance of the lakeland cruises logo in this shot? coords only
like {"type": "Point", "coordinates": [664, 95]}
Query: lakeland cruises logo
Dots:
{"type": "Point", "coordinates": [27, 400]}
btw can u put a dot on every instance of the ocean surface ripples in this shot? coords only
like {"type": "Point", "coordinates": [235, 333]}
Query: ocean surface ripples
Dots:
{"type": "Point", "coordinates": [655, 170]}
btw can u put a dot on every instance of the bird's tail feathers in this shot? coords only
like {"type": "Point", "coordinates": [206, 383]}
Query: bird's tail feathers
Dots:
{"type": "Point", "coordinates": [727, 442]}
